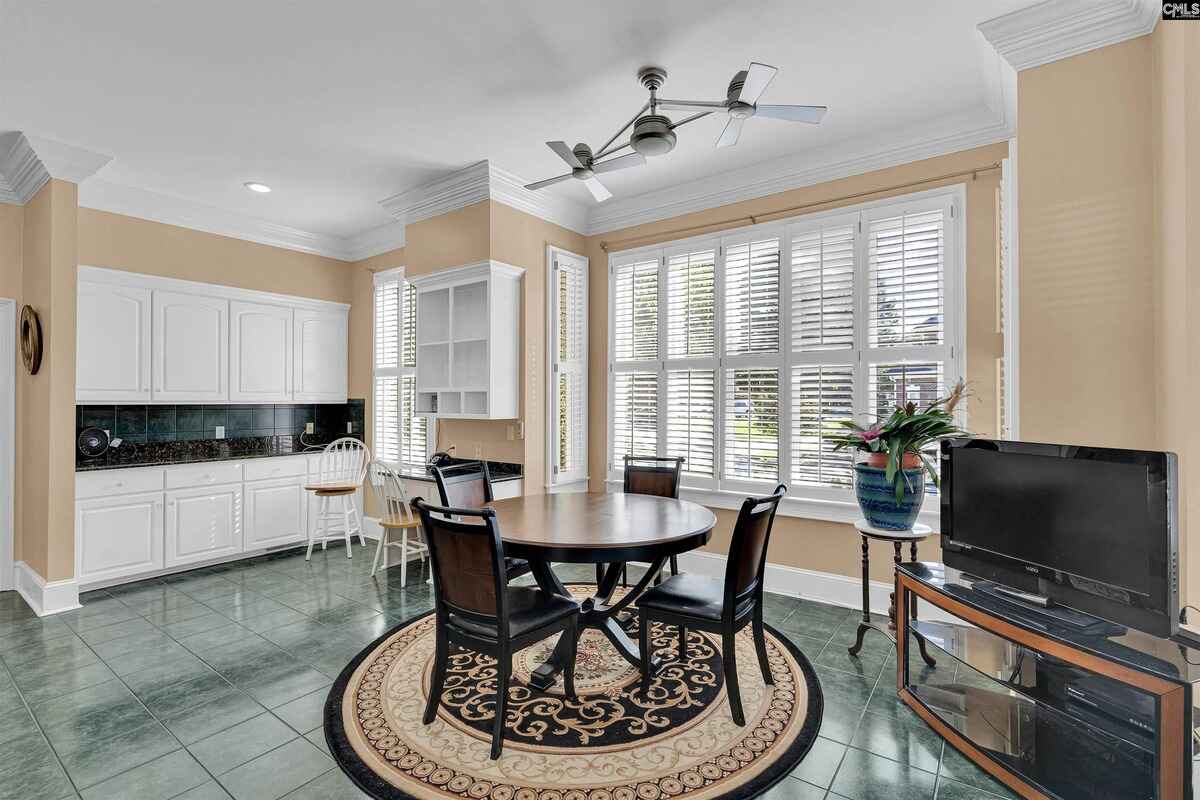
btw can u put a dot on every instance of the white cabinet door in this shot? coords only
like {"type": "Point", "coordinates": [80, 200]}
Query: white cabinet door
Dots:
{"type": "Point", "coordinates": [276, 513]}
{"type": "Point", "coordinates": [260, 353]}
{"type": "Point", "coordinates": [117, 537]}
{"type": "Point", "coordinates": [202, 524]}
{"type": "Point", "coordinates": [321, 356]}
{"type": "Point", "coordinates": [191, 348]}
{"type": "Point", "coordinates": [112, 362]}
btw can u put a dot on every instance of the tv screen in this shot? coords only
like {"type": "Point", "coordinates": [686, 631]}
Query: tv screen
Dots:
{"type": "Point", "coordinates": [1092, 527]}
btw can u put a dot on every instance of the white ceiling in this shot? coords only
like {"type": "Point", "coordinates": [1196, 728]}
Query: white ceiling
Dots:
{"type": "Point", "coordinates": [340, 105]}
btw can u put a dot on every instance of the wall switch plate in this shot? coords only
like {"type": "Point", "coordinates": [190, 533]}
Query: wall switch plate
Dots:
{"type": "Point", "coordinates": [308, 427]}
{"type": "Point", "coordinates": [220, 431]}
{"type": "Point", "coordinates": [349, 427]}
{"type": "Point", "coordinates": [520, 429]}
{"type": "Point", "coordinates": [478, 450]}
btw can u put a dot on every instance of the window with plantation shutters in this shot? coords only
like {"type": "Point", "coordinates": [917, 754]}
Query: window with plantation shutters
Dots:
{"type": "Point", "coordinates": [743, 353]}
{"type": "Point", "coordinates": [568, 348]}
{"type": "Point", "coordinates": [400, 435]}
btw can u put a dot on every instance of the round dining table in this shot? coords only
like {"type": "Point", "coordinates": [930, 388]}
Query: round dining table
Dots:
{"type": "Point", "coordinates": [599, 528]}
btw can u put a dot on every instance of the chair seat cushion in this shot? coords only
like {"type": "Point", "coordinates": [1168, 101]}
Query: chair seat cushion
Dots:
{"type": "Point", "coordinates": [516, 567]}
{"type": "Point", "coordinates": [528, 609]}
{"type": "Point", "coordinates": [687, 594]}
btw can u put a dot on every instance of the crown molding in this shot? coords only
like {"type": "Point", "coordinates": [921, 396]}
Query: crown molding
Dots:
{"type": "Point", "coordinates": [21, 171]}
{"type": "Point", "coordinates": [375, 241]}
{"type": "Point", "coordinates": [478, 182]}
{"type": "Point", "coordinates": [67, 162]}
{"type": "Point", "coordinates": [843, 160]}
{"type": "Point", "coordinates": [1057, 29]}
{"type": "Point", "coordinates": [145, 204]}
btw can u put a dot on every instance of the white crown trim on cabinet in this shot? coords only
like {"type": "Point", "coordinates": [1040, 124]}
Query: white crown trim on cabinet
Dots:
{"type": "Point", "coordinates": [1057, 29]}
{"type": "Point", "coordinates": [123, 278]}
{"type": "Point", "coordinates": [45, 597]}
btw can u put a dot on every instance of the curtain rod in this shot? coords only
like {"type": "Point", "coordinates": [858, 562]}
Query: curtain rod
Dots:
{"type": "Point", "coordinates": [754, 219]}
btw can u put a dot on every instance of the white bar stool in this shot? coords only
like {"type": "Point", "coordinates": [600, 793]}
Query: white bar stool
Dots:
{"type": "Point", "coordinates": [395, 514]}
{"type": "Point", "coordinates": [343, 467]}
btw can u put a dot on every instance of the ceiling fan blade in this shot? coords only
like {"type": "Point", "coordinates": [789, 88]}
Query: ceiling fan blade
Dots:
{"type": "Point", "coordinates": [620, 162]}
{"type": "Point", "coordinates": [597, 189]}
{"type": "Point", "coordinates": [549, 181]}
{"type": "Point", "coordinates": [758, 78]}
{"type": "Point", "coordinates": [686, 104]}
{"type": "Point", "coordinates": [565, 153]}
{"type": "Point", "coordinates": [810, 114]}
{"type": "Point", "coordinates": [733, 129]}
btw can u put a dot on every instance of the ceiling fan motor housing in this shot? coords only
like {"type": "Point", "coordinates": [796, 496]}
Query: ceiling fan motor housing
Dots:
{"type": "Point", "coordinates": [652, 135]}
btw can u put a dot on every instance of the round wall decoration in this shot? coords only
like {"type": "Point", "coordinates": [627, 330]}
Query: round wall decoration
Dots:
{"type": "Point", "coordinates": [31, 339]}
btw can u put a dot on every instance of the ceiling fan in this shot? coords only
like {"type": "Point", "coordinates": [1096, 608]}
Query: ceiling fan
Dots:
{"type": "Point", "coordinates": [741, 103]}
{"type": "Point", "coordinates": [653, 133]}
{"type": "Point", "coordinates": [584, 168]}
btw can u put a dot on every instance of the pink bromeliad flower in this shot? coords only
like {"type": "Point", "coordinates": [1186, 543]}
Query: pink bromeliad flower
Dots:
{"type": "Point", "coordinates": [870, 434]}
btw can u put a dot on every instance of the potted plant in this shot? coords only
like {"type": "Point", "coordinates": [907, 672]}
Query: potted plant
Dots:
{"type": "Point", "coordinates": [889, 482]}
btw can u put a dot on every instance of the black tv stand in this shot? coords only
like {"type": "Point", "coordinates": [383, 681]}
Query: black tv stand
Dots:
{"type": "Point", "coordinates": [1046, 613]}
{"type": "Point", "coordinates": [1053, 711]}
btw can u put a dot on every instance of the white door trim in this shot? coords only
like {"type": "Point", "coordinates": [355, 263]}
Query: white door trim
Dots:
{"type": "Point", "coordinates": [8, 392]}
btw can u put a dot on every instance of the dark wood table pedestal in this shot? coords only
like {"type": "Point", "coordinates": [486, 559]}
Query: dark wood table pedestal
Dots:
{"type": "Point", "coordinates": [603, 529]}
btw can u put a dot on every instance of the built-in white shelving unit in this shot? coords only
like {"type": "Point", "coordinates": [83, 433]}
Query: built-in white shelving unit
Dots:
{"type": "Point", "coordinates": [468, 339]}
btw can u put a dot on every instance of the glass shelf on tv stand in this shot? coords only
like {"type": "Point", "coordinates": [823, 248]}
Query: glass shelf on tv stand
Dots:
{"type": "Point", "coordinates": [1002, 697]}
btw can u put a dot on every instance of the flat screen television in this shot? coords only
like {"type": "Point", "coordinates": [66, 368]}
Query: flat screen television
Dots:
{"type": "Point", "coordinates": [1091, 528]}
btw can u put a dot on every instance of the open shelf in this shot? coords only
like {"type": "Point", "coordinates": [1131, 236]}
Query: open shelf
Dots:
{"type": "Point", "coordinates": [475, 402]}
{"type": "Point", "coordinates": [433, 316]}
{"type": "Point", "coordinates": [427, 403]}
{"type": "Point", "coordinates": [433, 365]}
{"type": "Point", "coordinates": [469, 364]}
{"type": "Point", "coordinates": [449, 402]}
{"type": "Point", "coordinates": [470, 311]}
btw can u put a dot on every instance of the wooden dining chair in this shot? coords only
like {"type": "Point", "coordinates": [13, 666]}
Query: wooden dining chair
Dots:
{"type": "Point", "coordinates": [470, 486]}
{"type": "Point", "coordinates": [719, 606]}
{"type": "Point", "coordinates": [340, 472]}
{"type": "Point", "coordinates": [476, 608]}
{"type": "Point", "coordinates": [395, 516]}
{"type": "Point", "coordinates": [653, 475]}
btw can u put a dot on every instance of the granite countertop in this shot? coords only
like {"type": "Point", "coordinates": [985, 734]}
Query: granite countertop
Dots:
{"type": "Point", "coordinates": [160, 454]}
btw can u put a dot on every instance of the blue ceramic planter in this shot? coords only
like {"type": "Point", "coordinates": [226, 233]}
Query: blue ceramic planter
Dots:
{"type": "Point", "coordinates": [877, 497]}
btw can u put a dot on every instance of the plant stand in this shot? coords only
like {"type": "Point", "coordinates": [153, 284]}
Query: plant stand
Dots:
{"type": "Point", "coordinates": [897, 538]}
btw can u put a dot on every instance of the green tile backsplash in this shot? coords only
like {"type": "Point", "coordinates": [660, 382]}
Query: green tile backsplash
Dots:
{"type": "Point", "coordinates": [140, 424]}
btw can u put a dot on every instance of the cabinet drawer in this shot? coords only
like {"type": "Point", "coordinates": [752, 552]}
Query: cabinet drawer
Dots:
{"type": "Point", "coordinates": [185, 477]}
{"type": "Point", "coordinates": [107, 482]}
{"type": "Point", "coordinates": [281, 467]}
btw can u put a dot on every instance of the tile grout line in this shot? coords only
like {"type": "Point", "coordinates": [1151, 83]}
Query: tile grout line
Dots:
{"type": "Point", "coordinates": [41, 730]}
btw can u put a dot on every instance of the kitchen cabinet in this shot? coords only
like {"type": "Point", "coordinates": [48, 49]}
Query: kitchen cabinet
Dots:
{"type": "Point", "coordinates": [468, 335]}
{"type": "Point", "coordinates": [321, 353]}
{"type": "Point", "coordinates": [118, 536]}
{"type": "Point", "coordinates": [112, 364]}
{"type": "Point", "coordinates": [276, 513]}
{"type": "Point", "coordinates": [202, 523]}
{"type": "Point", "coordinates": [190, 343]}
{"type": "Point", "coordinates": [260, 353]}
{"type": "Point", "coordinates": [149, 339]}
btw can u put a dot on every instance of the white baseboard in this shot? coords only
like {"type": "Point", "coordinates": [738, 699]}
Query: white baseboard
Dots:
{"type": "Point", "coordinates": [45, 597]}
{"type": "Point", "coordinates": [823, 587]}
{"type": "Point", "coordinates": [371, 528]}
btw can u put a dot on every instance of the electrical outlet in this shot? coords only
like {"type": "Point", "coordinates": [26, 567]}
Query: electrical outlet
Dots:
{"type": "Point", "coordinates": [349, 427]}
{"type": "Point", "coordinates": [521, 429]}
{"type": "Point", "coordinates": [308, 427]}
{"type": "Point", "coordinates": [478, 450]}
{"type": "Point", "coordinates": [512, 433]}
{"type": "Point", "coordinates": [220, 431]}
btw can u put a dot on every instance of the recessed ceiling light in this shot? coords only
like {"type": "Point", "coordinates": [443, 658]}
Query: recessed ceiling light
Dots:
{"type": "Point", "coordinates": [254, 186]}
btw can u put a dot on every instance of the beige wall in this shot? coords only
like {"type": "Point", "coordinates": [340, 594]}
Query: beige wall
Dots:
{"type": "Point", "coordinates": [12, 220]}
{"type": "Point", "coordinates": [1087, 283]}
{"type": "Point", "coordinates": [45, 464]}
{"type": "Point", "coordinates": [810, 544]}
{"type": "Point", "coordinates": [1176, 104]}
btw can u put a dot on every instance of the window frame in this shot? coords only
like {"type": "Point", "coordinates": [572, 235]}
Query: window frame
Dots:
{"type": "Point", "coordinates": [816, 502]}
{"type": "Point", "coordinates": [575, 479]}
{"type": "Point", "coordinates": [396, 275]}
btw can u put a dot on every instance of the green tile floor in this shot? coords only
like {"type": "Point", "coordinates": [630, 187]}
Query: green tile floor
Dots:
{"type": "Point", "coordinates": [210, 684]}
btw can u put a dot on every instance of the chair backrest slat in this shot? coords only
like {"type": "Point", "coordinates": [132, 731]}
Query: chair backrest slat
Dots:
{"type": "Point", "coordinates": [394, 503]}
{"type": "Point", "coordinates": [344, 461]}
{"type": "Point", "coordinates": [748, 548]}
{"type": "Point", "coordinates": [468, 561]}
{"type": "Point", "coordinates": [653, 475]}
{"type": "Point", "coordinates": [468, 486]}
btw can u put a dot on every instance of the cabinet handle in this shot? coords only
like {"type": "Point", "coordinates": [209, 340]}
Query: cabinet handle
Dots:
{"type": "Point", "coordinates": [119, 484]}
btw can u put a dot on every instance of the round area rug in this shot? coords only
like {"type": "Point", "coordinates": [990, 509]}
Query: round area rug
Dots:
{"type": "Point", "coordinates": [613, 743]}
